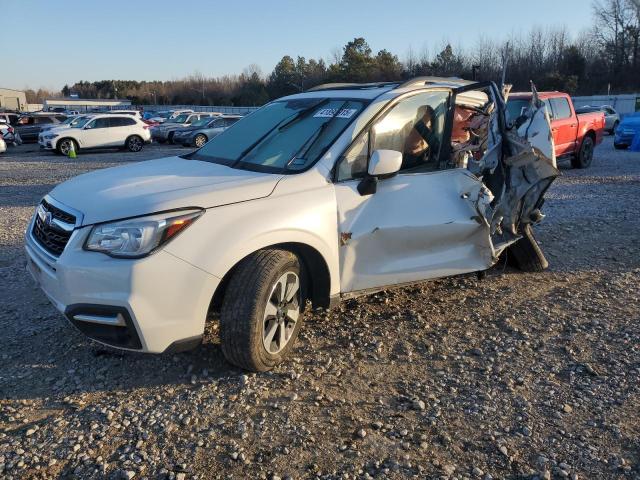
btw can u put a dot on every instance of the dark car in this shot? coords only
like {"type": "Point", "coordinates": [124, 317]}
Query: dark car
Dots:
{"type": "Point", "coordinates": [203, 130]}
{"type": "Point", "coordinates": [28, 126]}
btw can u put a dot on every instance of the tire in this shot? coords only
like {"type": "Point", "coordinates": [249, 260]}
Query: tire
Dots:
{"type": "Point", "coordinates": [64, 146]}
{"type": "Point", "coordinates": [134, 143]}
{"type": "Point", "coordinates": [526, 254]}
{"type": "Point", "coordinates": [585, 155]}
{"type": "Point", "coordinates": [200, 140]}
{"type": "Point", "coordinates": [618, 146]}
{"type": "Point", "coordinates": [170, 138]}
{"type": "Point", "coordinates": [250, 335]}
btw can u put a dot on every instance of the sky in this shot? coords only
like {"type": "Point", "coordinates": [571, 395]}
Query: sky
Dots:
{"type": "Point", "coordinates": [49, 44]}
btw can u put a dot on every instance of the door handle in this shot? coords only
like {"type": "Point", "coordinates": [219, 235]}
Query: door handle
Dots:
{"type": "Point", "coordinates": [465, 195]}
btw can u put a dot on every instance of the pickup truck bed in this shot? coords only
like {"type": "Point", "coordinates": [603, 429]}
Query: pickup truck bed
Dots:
{"type": "Point", "coordinates": [574, 136]}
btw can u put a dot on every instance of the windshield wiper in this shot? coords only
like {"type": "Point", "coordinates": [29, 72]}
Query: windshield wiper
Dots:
{"type": "Point", "coordinates": [280, 126]}
{"type": "Point", "coordinates": [310, 142]}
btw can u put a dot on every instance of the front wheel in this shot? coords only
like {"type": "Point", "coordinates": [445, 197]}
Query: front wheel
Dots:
{"type": "Point", "coordinates": [262, 310]}
{"type": "Point", "coordinates": [200, 140]}
{"type": "Point", "coordinates": [134, 143]}
{"type": "Point", "coordinates": [585, 154]}
{"type": "Point", "coordinates": [66, 145]}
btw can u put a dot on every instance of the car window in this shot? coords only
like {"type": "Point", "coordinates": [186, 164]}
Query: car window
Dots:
{"type": "Point", "coordinates": [561, 108]}
{"type": "Point", "coordinates": [99, 123]}
{"type": "Point", "coordinates": [43, 120]}
{"type": "Point", "coordinates": [122, 121]}
{"type": "Point", "coordinates": [610, 111]}
{"type": "Point", "coordinates": [414, 127]}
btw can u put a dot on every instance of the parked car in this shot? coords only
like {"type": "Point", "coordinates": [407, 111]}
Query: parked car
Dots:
{"type": "Point", "coordinates": [9, 134]}
{"type": "Point", "coordinates": [164, 132]}
{"type": "Point", "coordinates": [324, 195]}
{"type": "Point", "coordinates": [29, 126]}
{"type": "Point", "coordinates": [9, 118]}
{"type": "Point", "coordinates": [169, 115]}
{"type": "Point", "coordinates": [203, 130]}
{"type": "Point", "coordinates": [611, 117]}
{"type": "Point", "coordinates": [628, 129]}
{"type": "Point", "coordinates": [574, 135]}
{"type": "Point", "coordinates": [98, 131]}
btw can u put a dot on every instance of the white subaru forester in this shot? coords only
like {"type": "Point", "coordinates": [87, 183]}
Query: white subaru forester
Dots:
{"type": "Point", "coordinates": [339, 191]}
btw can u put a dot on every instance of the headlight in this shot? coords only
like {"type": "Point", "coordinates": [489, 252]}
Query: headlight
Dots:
{"type": "Point", "coordinates": [50, 136]}
{"type": "Point", "coordinates": [140, 236]}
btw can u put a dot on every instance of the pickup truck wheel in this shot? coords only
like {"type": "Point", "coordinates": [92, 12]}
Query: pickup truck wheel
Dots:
{"type": "Point", "coordinates": [585, 155]}
{"type": "Point", "coordinates": [134, 143]}
{"type": "Point", "coordinates": [526, 254]}
{"type": "Point", "coordinates": [64, 146]}
{"type": "Point", "coordinates": [262, 310]}
{"type": "Point", "coordinates": [200, 140]}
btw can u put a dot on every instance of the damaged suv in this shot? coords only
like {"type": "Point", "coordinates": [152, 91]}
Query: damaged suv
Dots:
{"type": "Point", "coordinates": [338, 191]}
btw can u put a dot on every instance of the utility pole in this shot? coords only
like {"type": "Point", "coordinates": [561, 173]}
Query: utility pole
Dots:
{"type": "Point", "coordinates": [505, 60]}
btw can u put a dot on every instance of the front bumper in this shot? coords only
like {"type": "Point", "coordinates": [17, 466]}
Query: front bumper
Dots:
{"type": "Point", "coordinates": [151, 304]}
{"type": "Point", "coordinates": [46, 144]}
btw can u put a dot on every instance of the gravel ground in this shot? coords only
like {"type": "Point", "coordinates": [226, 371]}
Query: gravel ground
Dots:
{"type": "Point", "coordinates": [515, 376]}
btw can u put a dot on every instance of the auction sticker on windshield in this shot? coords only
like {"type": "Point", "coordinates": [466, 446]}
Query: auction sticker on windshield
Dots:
{"type": "Point", "coordinates": [331, 112]}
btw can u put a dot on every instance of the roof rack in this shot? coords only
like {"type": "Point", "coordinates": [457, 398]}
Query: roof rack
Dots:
{"type": "Point", "coordinates": [352, 86]}
{"type": "Point", "coordinates": [418, 81]}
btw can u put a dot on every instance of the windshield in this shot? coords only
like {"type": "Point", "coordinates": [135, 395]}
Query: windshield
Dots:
{"type": "Point", "coordinates": [283, 136]}
{"type": "Point", "coordinates": [82, 121]}
{"type": "Point", "coordinates": [516, 107]}
{"type": "Point", "coordinates": [180, 119]}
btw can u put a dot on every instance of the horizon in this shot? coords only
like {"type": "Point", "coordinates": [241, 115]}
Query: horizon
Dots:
{"type": "Point", "coordinates": [159, 49]}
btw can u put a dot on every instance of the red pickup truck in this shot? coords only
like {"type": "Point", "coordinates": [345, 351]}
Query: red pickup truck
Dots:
{"type": "Point", "coordinates": [574, 136]}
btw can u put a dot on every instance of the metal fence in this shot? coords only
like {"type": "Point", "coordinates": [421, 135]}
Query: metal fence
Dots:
{"type": "Point", "coordinates": [623, 104]}
{"type": "Point", "coordinates": [200, 108]}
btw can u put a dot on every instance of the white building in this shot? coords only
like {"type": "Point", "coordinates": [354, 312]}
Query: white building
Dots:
{"type": "Point", "coordinates": [86, 104]}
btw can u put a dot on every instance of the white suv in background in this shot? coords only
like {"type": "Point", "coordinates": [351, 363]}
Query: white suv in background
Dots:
{"type": "Point", "coordinates": [98, 131]}
{"type": "Point", "coordinates": [336, 192]}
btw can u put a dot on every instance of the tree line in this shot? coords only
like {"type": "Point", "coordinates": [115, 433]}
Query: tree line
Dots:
{"type": "Point", "coordinates": [603, 59]}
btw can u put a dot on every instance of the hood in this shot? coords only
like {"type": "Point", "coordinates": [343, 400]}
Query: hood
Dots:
{"type": "Point", "coordinates": [50, 130]}
{"type": "Point", "coordinates": [158, 185]}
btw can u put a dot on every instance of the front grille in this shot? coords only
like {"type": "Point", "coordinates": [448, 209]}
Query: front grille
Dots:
{"type": "Point", "coordinates": [51, 238]}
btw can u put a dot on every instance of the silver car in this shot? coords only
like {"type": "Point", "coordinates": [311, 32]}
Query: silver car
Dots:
{"type": "Point", "coordinates": [200, 132]}
{"type": "Point", "coordinates": [164, 132]}
{"type": "Point", "coordinates": [611, 117]}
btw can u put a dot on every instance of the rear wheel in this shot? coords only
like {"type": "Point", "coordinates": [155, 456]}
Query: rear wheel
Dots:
{"type": "Point", "coordinates": [262, 310]}
{"type": "Point", "coordinates": [585, 154]}
{"type": "Point", "coordinates": [200, 140]}
{"type": "Point", "coordinates": [134, 143]}
{"type": "Point", "coordinates": [65, 145]}
{"type": "Point", "coordinates": [526, 254]}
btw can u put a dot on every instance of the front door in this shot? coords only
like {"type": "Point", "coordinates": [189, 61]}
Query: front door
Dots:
{"type": "Point", "coordinates": [95, 133]}
{"type": "Point", "coordinates": [425, 222]}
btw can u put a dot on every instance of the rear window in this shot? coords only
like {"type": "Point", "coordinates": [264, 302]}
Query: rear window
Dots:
{"type": "Point", "coordinates": [515, 108]}
{"type": "Point", "coordinates": [122, 122]}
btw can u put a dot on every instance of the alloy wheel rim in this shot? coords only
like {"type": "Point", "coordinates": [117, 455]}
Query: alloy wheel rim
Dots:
{"type": "Point", "coordinates": [199, 141]}
{"type": "Point", "coordinates": [65, 147]}
{"type": "Point", "coordinates": [281, 313]}
{"type": "Point", "coordinates": [134, 144]}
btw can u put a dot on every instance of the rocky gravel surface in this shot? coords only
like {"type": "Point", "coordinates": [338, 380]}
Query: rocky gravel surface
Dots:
{"type": "Point", "coordinates": [513, 376]}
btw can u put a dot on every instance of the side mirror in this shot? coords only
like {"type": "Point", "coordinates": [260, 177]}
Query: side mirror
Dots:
{"type": "Point", "coordinates": [383, 164]}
